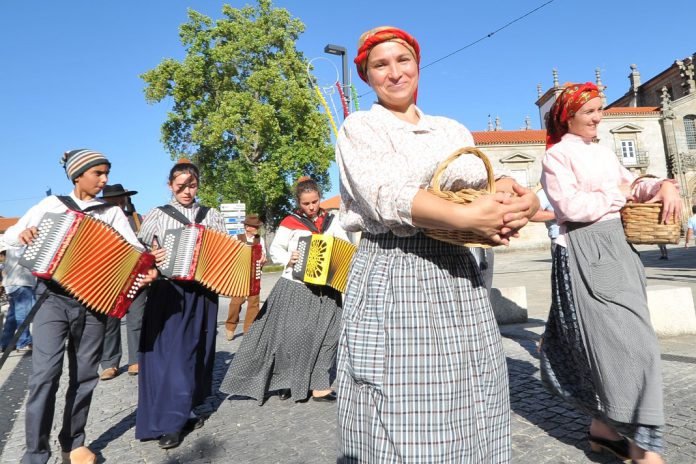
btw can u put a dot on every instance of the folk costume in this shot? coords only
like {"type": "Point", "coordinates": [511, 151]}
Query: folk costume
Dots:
{"type": "Point", "coordinates": [292, 343]}
{"type": "Point", "coordinates": [421, 368]}
{"type": "Point", "coordinates": [177, 342]}
{"type": "Point", "coordinates": [252, 301]}
{"type": "Point", "coordinates": [599, 350]}
{"type": "Point", "coordinates": [62, 317]}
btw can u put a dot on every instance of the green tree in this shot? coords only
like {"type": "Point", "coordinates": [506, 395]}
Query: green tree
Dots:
{"type": "Point", "coordinates": [243, 108]}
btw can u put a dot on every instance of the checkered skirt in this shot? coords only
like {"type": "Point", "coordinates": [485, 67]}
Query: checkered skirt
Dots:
{"type": "Point", "coordinates": [421, 369]}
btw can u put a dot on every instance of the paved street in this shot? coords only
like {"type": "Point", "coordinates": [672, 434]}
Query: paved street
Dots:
{"type": "Point", "coordinates": [544, 430]}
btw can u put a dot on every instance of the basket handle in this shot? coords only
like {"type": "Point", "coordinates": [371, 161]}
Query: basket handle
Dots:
{"type": "Point", "coordinates": [490, 188]}
{"type": "Point", "coordinates": [644, 176]}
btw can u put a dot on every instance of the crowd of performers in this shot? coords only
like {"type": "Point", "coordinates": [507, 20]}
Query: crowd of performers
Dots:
{"type": "Point", "coordinates": [421, 372]}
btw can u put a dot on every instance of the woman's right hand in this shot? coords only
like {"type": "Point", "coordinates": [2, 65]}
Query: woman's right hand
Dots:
{"type": "Point", "coordinates": [28, 235]}
{"type": "Point", "coordinates": [487, 216]}
{"type": "Point", "coordinates": [294, 257]}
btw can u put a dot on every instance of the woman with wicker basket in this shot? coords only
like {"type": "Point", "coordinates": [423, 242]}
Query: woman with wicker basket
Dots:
{"type": "Point", "coordinates": [421, 369]}
{"type": "Point", "coordinates": [599, 350]}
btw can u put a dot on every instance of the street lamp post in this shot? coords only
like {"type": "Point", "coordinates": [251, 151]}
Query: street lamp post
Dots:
{"type": "Point", "coordinates": [339, 50]}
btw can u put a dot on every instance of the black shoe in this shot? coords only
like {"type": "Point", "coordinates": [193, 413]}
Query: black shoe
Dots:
{"type": "Point", "coordinates": [284, 394]}
{"type": "Point", "coordinates": [194, 423]}
{"type": "Point", "coordinates": [618, 448]}
{"type": "Point", "coordinates": [328, 398]}
{"type": "Point", "coordinates": [170, 440]}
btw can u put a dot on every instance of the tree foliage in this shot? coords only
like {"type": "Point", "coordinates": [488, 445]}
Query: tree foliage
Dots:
{"type": "Point", "coordinates": [243, 108]}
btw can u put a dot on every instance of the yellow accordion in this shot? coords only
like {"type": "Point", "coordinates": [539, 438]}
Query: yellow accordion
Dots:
{"type": "Point", "coordinates": [324, 260]}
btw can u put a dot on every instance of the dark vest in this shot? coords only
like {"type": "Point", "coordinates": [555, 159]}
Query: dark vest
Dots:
{"type": "Point", "coordinates": [243, 238]}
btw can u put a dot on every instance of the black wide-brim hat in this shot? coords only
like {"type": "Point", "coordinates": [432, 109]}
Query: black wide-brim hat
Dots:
{"type": "Point", "coordinates": [116, 190]}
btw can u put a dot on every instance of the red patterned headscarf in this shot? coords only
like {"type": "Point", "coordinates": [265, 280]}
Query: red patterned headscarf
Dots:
{"type": "Point", "coordinates": [379, 35]}
{"type": "Point", "coordinates": [566, 105]}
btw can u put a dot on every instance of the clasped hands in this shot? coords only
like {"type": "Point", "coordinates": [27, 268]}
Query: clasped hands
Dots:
{"type": "Point", "coordinates": [501, 215]}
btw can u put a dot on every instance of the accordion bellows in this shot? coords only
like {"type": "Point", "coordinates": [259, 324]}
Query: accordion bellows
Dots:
{"type": "Point", "coordinates": [212, 258]}
{"type": "Point", "coordinates": [89, 259]}
{"type": "Point", "coordinates": [324, 260]}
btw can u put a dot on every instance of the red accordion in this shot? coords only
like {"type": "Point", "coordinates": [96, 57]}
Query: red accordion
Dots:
{"type": "Point", "coordinates": [89, 259]}
{"type": "Point", "coordinates": [212, 258]}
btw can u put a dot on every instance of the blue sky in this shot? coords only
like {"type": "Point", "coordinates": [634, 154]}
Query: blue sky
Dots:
{"type": "Point", "coordinates": [70, 70]}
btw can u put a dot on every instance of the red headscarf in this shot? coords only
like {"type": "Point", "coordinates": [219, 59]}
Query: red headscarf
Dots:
{"type": "Point", "coordinates": [379, 35]}
{"type": "Point", "coordinates": [573, 97]}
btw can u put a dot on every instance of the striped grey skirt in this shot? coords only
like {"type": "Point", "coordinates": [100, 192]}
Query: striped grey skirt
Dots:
{"type": "Point", "coordinates": [599, 350]}
{"type": "Point", "coordinates": [421, 369]}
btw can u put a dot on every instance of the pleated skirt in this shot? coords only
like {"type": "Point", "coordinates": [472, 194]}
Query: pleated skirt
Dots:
{"type": "Point", "coordinates": [291, 344]}
{"type": "Point", "coordinates": [176, 357]}
{"type": "Point", "coordinates": [422, 375]}
{"type": "Point", "coordinates": [599, 351]}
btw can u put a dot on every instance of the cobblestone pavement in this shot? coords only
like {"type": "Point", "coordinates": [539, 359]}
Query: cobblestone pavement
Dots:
{"type": "Point", "coordinates": [544, 430]}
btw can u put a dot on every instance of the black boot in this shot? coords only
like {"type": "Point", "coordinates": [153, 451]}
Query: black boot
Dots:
{"type": "Point", "coordinates": [170, 440]}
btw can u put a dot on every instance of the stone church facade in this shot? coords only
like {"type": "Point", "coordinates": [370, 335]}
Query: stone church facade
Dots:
{"type": "Point", "coordinates": [651, 129]}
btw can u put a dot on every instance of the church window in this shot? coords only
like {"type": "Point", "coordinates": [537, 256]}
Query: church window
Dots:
{"type": "Point", "coordinates": [690, 128]}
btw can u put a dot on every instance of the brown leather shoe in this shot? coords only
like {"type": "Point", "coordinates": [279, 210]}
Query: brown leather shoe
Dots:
{"type": "Point", "coordinates": [109, 373]}
{"type": "Point", "coordinates": [133, 369]}
{"type": "Point", "coordinates": [81, 455]}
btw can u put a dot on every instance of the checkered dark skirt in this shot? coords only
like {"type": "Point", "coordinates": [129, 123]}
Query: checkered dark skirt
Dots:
{"type": "Point", "coordinates": [421, 369]}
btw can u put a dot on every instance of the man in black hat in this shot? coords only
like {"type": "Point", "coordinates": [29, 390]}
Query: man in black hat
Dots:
{"type": "Point", "coordinates": [111, 354]}
{"type": "Point", "coordinates": [251, 236]}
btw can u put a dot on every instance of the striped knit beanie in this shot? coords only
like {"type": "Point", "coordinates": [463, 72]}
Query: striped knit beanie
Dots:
{"type": "Point", "coordinates": [76, 162]}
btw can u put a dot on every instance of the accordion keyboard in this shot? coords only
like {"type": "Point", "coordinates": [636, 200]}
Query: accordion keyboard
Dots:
{"type": "Point", "coordinates": [52, 229]}
{"type": "Point", "coordinates": [182, 262]}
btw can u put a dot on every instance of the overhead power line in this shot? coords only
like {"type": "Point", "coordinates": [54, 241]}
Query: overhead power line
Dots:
{"type": "Point", "coordinates": [487, 36]}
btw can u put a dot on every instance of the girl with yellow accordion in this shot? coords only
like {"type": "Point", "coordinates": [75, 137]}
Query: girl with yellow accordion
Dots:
{"type": "Point", "coordinates": [291, 347]}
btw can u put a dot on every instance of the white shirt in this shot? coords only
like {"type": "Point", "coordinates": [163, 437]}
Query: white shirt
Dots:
{"type": "Point", "coordinates": [285, 242]}
{"type": "Point", "coordinates": [113, 216]}
{"type": "Point", "coordinates": [383, 162]}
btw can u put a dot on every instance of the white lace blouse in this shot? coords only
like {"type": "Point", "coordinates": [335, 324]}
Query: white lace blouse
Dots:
{"type": "Point", "coordinates": [383, 162]}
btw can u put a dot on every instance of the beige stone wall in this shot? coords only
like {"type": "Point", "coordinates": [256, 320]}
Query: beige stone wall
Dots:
{"type": "Point", "coordinates": [533, 152]}
{"type": "Point", "coordinates": [649, 138]}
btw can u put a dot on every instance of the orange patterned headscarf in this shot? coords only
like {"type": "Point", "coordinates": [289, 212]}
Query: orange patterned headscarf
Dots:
{"type": "Point", "coordinates": [376, 36]}
{"type": "Point", "coordinates": [573, 97]}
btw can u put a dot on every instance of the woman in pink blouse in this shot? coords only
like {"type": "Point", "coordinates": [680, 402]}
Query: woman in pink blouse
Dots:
{"type": "Point", "coordinates": [599, 350]}
{"type": "Point", "coordinates": [421, 370]}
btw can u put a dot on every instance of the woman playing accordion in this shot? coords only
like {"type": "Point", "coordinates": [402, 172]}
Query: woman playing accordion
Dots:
{"type": "Point", "coordinates": [177, 342]}
{"type": "Point", "coordinates": [291, 347]}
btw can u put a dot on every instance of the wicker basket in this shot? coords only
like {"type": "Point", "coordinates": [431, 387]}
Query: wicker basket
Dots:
{"type": "Point", "coordinates": [642, 223]}
{"type": "Point", "coordinates": [462, 197]}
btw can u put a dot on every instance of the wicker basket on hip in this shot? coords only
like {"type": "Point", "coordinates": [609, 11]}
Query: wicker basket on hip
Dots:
{"type": "Point", "coordinates": [462, 197]}
{"type": "Point", "coordinates": [642, 223]}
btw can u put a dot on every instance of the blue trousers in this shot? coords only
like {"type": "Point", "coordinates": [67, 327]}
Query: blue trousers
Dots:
{"type": "Point", "coordinates": [21, 301]}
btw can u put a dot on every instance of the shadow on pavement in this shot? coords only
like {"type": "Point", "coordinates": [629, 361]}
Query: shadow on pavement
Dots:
{"type": "Point", "coordinates": [530, 400]}
{"type": "Point", "coordinates": [211, 405]}
{"type": "Point", "coordinates": [12, 393]}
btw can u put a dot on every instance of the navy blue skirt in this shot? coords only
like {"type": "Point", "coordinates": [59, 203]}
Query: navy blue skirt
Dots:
{"type": "Point", "coordinates": [176, 358]}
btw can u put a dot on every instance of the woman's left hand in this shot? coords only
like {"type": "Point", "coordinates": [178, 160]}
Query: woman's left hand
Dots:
{"type": "Point", "coordinates": [671, 202]}
{"type": "Point", "coordinates": [160, 255]}
{"type": "Point", "coordinates": [151, 276]}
